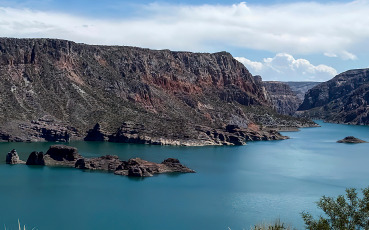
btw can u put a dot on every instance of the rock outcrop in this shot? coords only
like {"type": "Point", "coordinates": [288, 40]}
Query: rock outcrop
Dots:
{"type": "Point", "coordinates": [228, 135]}
{"type": "Point", "coordinates": [67, 156]}
{"type": "Point", "coordinates": [61, 155]}
{"type": "Point", "coordinates": [140, 168]}
{"type": "Point", "coordinates": [96, 134]}
{"type": "Point", "coordinates": [351, 140]}
{"type": "Point", "coordinates": [36, 158]}
{"type": "Point", "coordinates": [343, 99]}
{"type": "Point", "coordinates": [13, 158]}
{"type": "Point", "coordinates": [106, 163]}
{"type": "Point", "coordinates": [75, 86]}
{"type": "Point", "coordinates": [133, 167]}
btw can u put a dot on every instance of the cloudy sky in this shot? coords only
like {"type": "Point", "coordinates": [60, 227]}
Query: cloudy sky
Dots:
{"type": "Point", "coordinates": [279, 40]}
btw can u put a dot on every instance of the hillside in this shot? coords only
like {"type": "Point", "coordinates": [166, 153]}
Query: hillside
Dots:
{"type": "Point", "coordinates": [57, 90]}
{"type": "Point", "coordinates": [343, 99]}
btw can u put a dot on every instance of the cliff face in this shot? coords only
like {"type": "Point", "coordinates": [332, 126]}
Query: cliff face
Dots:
{"type": "Point", "coordinates": [300, 88]}
{"type": "Point", "coordinates": [58, 90]}
{"type": "Point", "coordinates": [284, 100]}
{"type": "Point", "coordinates": [343, 99]}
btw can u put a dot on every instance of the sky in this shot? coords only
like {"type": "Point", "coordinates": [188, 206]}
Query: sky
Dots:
{"type": "Point", "coordinates": [279, 40]}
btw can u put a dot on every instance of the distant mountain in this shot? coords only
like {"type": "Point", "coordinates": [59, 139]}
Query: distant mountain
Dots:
{"type": "Point", "coordinates": [287, 96]}
{"type": "Point", "coordinates": [301, 87]}
{"type": "Point", "coordinates": [343, 99]}
{"type": "Point", "coordinates": [57, 90]}
{"type": "Point", "coordinates": [282, 97]}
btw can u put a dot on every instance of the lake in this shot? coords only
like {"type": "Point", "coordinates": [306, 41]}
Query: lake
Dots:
{"type": "Point", "coordinates": [234, 187]}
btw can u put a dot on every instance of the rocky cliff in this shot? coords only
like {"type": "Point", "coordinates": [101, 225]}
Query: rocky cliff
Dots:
{"type": "Point", "coordinates": [57, 90]}
{"type": "Point", "coordinates": [301, 87]}
{"type": "Point", "coordinates": [284, 100]}
{"type": "Point", "coordinates": [343, 99]}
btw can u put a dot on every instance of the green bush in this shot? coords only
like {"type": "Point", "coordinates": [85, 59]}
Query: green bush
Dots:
{"type": "Point", "coordinates": [350, 212]}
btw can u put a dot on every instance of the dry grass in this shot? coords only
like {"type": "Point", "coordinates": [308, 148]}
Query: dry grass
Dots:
{"type": "Point", "coordinates": [20, 227]}
{"type": "Point", "coordinates": [277, 225]}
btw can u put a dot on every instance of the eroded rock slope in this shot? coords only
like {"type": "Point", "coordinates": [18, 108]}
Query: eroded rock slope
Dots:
{"type": "Point", "coordinates": [343, 99]}
{"type": "Point", "coordinates": [57, 90]}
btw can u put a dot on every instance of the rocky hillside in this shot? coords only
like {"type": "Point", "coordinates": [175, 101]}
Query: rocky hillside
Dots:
{"type": "Point", "coordinates": [57, 90]}
{"type": "Point", "coordinates": [283, 98]}
{"type": "Point", "coordinates": [343, 99]}
{"type": "Point", "coordinates": [301, 87]}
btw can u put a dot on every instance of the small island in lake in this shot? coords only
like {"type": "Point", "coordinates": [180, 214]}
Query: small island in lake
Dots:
{"type": "Point", "coordinates": [351, 140]}
{"type": "Point", "coordinates": [67, 156]}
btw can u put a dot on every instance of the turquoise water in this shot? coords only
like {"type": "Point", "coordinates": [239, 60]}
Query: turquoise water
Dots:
{"type": "Point", "coordinates": [234, 187]}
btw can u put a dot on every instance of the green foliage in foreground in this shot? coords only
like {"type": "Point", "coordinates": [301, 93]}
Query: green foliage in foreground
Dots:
{"type": "Point", "coordinates": [350, 212]}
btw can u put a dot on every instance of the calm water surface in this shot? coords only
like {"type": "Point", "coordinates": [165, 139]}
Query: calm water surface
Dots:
{"type": "Point", "coordinates": [234, 187]}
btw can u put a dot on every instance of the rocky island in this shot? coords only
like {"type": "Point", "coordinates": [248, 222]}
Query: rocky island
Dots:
{"type": "Point", "coordinates": [67, 156]}
{"type": "Point", "coordinates": [351, 140]}
{"type": "Point", "coordinates": [58, 90]}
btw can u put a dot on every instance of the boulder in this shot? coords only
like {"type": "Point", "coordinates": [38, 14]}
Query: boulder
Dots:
{"type": "Point", "coordinates": [13, 158]}
{"type": "Point", "coordinates": [36, 158]}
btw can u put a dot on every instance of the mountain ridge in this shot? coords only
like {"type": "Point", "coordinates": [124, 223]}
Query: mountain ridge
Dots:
{"type": "Point", "coordinates": [57, 90]}
{"type": "Point", "coordinates": [343, 99]}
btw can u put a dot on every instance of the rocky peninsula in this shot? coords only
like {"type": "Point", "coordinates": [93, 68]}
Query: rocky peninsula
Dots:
{"type": "Point", "coordinates": [67, 156]}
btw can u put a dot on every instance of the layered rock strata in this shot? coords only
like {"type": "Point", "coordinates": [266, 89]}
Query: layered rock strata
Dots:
{"type": "Point", "coordinates": [57, 90]}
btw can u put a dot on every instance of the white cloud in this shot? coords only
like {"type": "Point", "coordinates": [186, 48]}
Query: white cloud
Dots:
{"type": "Point", "coordinates": [348, 56]}
{"type": "Point", "coordinates": [336, 29]}
{"type": "Point", "coordinates": [284, 67]}
{"type": "Point", "coordinates": [343, 54]}
{"type": "Point", "coordinates": [329, 54]}
{"type": "Point", "coordinates": [253, 65]}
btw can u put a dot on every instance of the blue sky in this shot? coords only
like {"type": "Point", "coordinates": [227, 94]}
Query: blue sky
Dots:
{"type": "Point", "coordinates": [280, 40]}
